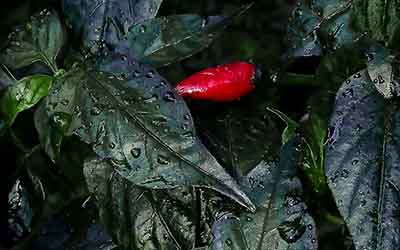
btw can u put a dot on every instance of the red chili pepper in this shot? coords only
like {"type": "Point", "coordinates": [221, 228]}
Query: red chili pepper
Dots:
{"type": "Point", "coordinates": [222, 84]}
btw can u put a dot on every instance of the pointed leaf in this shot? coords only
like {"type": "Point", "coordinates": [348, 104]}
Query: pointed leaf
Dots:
{"type": "Point", "coordinates": [139, 218]}
{"type": "Point", "coordinates": [361, 163]}
{"type": "Point", "coordinates": [166, 40]}
{"type": "Point", "coordinates": [105, 22]}
{"type": "Point", "coordinates": [41, 39]}
{"type": "Point", "coordinates": [23, 95]}
{"type": "Point", "coordinates": [281, 220]}
{"type": "Point", "coordinates": [138, 123]}
{"type": "Point", "coordinates": [291, 125]}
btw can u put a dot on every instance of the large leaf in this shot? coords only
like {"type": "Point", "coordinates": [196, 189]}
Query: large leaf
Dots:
{"type": "Point", "coordinates": [319, 24]}
{"type": "Point", "coordinates": [106, 22]}
{"type": "Point", "coordinates": [166, 40]}
{"type": "Point", "coordinates": [138, 123]}
{"type": "Point", "coordinates": [41, 39]}
{"type": "Point", "coordinates": [380, 19]}
{"type": "Point", "coordinates": [139, 218]}
{"type": "Point", "coordinates": [362, 164]}
{"type": "Point", "coordinates": [23, 95]}
{"type": "Point", "coordinates": [281, 220]}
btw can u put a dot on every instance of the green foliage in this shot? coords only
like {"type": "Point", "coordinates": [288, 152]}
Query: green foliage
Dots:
{"type": "Point", "coordinates": [102, 152]}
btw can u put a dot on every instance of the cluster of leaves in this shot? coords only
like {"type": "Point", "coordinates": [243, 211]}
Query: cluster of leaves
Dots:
{"type": "Point", "coordinates": [93, 126]}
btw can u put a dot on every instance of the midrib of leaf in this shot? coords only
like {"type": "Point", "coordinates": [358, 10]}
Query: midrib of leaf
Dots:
{"type": "Point", "coordinates": [150, 133]}
{"type": "Point", "coordinates": [163, 222]}
{"type": "Point", "coordinates": [386, 123]}
{"type": "Point", "coordinates": [267, 214]}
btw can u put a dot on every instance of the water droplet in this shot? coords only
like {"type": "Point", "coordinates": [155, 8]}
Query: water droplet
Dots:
{"type": "Point", "coordinates": [112, 145]}
{"type": "Point", "coordinates": [162, 160]}
{"type": "Point", "coordinates": [186, 117]}
{"type": "Point", "coordinates": [228, 242]}
{"type": "Point", "coordinates": [169, 97]}
{"type": "Point", "coordinates": [95, 110]}
{"type": "Point", "coordinates": [151, 99]}
{"type": "Point", "coordinates": [150, 74]}
{"type": "Point", "coordinates": [65, 102]}
{"type": "Point", "coordinates": [142, 28]}
{"type": "Point", "coordinates": [344, 173]}
{"type": "Point", "coordinates": [135, 152]}
{"type": "Point", "coordinates": [348, 92]}
{"type": "Point", "coordinates": [354, 162]}
{"type": "Point", "coordinates": [358, 75]}
{"type": "Point", "coordinates": [291, 231]}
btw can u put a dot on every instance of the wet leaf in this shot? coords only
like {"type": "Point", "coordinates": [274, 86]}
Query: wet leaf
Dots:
{"type": "Point", "coordinates": [138, 123]}
{"type": "Point", "coordinates": [23, 95]}
{"type": "Point", "coordinates": [139, 218]}
{"type": "Point", "coordinates": [379, 19]}
{"type": "Point", "coordinates": [105, 23]}
{"type": "Point", "coordinates": [166, 40]}
{"type": "Point", "coordinates": [383, 69]}
{"type": "Point", "coordinates": [20, 212]}
{"type": "Point", "coordinates": [291, 125]}
{"type": "Point", "coordinates": [40, 39]}
{"type": "Point", "coordinates": [314, 25]}
{"type": "Point", "coordinates": [361, 162]}
{"type": "Point", "coordinates": [281, 220]}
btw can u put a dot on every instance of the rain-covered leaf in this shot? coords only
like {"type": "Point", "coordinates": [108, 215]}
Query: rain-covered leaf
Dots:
{"type": "Point", "coordinates": [20, 213]}
{"type": "Point", "coordinates": [291, 125]}
{"type": "Point", "coordinates": [138, 123]}
{"type": "Point", "coordinates": [379, 19]}
{"type": "Point", "coordinates": [383, 69]}
{"type": "Point", "coordinates": [23, 95]}
{"type": "Point", "coordinates": [319, 24]}
{"type": "Point", "coordinates": [362, 165]}
{"type": "Point", "coordinates": [105, 22]}
{"type": "Point", "coordinates": [40, 39]}
{"type": "Point", "coordinates": [281, 220]}
{"type": "Point", "coordinates": [166, 40]}
{"type": "Point", "coordinates": [139, 218]}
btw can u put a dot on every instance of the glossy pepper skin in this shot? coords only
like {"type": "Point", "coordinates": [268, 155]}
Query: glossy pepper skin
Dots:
{"type": "Point", "coordinates": [223, 83]}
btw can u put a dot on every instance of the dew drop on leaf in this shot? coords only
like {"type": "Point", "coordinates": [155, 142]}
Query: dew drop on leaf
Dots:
{"type": "Point", "coordinates": [291, 231]}
{"type": "Point", "coordinates": [162, 160]}
{"type": "Point", "coordinates": [135, 152]}
{"type": "Point", "coordinates": [169, 97]}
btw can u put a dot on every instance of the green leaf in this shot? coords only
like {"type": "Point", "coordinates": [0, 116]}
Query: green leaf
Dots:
{"type": "Point", "coordinates": [106, 22]}
{"type": "Point", "coordinates": [41, 39]}
{"type": "Point", "coordinates": [314, 25]}
{"type": "Point", "coordinates": [361, 162]}
{"type": "Point", "coordinates": [139, 218]}
{"type": "Point", "coordinates": [291, 125]}
{"type": "Point", "coordinates": [281, 220]}
{"type": "Point", "coordinates": [139, 124]}
{"type": "Point", "coordinates": [315, 132]}
{"type": "Point", "coordinates": [23, 95]}
{"type": "Point", "coordinates": [380, 19]}
{"type": "Point", "coordinates": [166, 40]}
